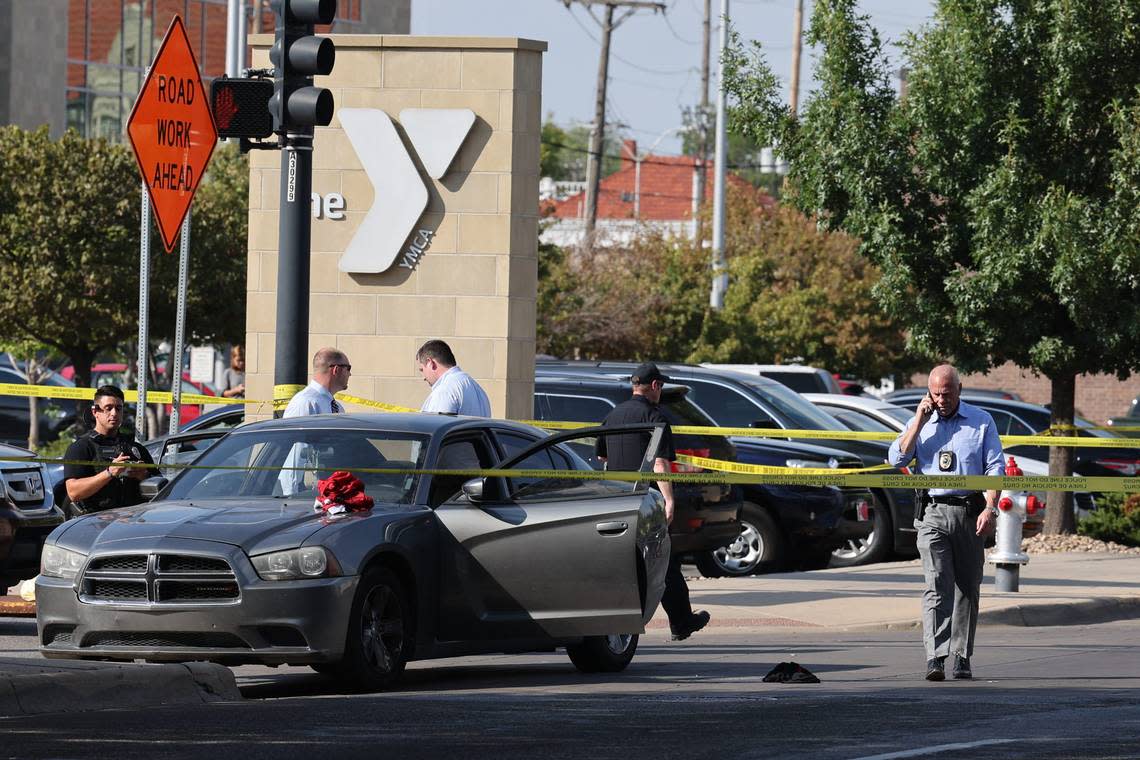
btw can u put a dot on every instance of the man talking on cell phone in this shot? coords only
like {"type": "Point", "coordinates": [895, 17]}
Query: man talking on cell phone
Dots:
{"type": "Point", "coordinates": [950, 437]}
{"type": "Point", "coordinates": [98, 474]}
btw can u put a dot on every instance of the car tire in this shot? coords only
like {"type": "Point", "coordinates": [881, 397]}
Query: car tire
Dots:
{"type": "Point", "coordinates": [761, 547]}
{"type": "Point", "coordinates": [376, 644]}
{"type": "Point", "coordinates": [603, 654]}
{"type": "Point", "coordinates": [875, 547]}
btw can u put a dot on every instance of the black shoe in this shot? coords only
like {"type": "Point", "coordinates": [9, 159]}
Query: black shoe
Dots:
{"type": "Point", "coordinates": [962, 667]}
{"type": "Point", "coordinates": [935, 671]}
{"type": "Point", "coordinates": [696, 622]}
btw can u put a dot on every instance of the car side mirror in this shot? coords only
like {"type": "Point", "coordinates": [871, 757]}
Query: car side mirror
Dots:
{"type": "Point", "coordinates": [473, 490]}
{"type": "Point", "coordinates": [151, 487]}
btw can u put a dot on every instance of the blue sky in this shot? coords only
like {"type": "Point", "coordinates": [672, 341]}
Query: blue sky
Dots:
{"type": "Point", "coordinates": [655, 62]}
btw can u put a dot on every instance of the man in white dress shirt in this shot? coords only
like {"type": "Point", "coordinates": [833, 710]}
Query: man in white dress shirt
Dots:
{"type": "Point", "coordinates": [453, 391]}
{"type": "Point", "coordinates": [331, 371]}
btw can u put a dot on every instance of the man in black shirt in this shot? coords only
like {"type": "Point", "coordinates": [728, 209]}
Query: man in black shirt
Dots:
{"type": "Point", "coordinates": [624, 453]}
{"type": "Point", "coordinates": [110, 484]}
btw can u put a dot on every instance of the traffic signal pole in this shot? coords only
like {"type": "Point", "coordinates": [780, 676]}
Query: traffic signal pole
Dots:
{"type": "Point", "coordinates": [290, 371]}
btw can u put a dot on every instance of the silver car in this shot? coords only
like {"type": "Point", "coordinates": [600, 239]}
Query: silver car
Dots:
{"type": "Point", "coordinates": [231, 563]}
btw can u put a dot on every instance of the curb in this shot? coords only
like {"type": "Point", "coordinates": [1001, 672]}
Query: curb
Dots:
{"type": "Point", "coordinates": [1079, 612]}
{"type": "Point", "coordinates": [16, 606]}
{"type": "Point", "coordinates": [31, 687]}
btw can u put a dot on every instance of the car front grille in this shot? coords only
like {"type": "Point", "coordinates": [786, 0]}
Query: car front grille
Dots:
{"type": "Point", "coordinates": [159, 579]}
{"type": "Point", "coordinates": [24, 488]}
{"type": "Point", "coordinates": [163, 639]}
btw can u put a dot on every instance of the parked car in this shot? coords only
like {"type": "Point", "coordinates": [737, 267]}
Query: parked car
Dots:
{"type": "Point", "coordinates": [55, 415]}
{"type": "Point", "coordinates": [1020, 418]}
{"type": "Point", "coordinates": [911, 396]}
{"type": "Point", "coordinates": [735, 399]}
{"type": "Point", "coordinates": [193, 438]}
{"type": "Point", "coordinates": [115, 373]}
{"type": "Point", "coordinates": [234, 565]}
{"type": "Point", "coordinates": [798, 377]}
{"type": "Point", "coordinates": [780, 527]}
{"type": "Point", "coordinates": [879, 416]}
{"type": "Point", "coordinates": [28, 513]}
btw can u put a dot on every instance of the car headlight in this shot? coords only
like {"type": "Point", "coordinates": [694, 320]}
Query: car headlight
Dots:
{"type": "Point", "coordinates": [57, 562]}
{"type": "Point", "coordinates": [814, 464]}
{"type": "Point", "coordinates": [307, 562]}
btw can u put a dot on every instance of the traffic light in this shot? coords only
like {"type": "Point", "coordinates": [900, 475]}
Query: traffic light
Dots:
{"type": "Point", "coordinates": [297, 56]}
{"type": "Point", "coordinates": [241, 107]}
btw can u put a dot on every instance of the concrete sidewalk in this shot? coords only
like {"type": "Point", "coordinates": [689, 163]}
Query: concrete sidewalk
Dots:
{"type": "Point", "coordinates": [1056, 589]}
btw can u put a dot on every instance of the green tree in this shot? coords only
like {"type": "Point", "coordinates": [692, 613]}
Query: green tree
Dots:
{"type": "Point", "coordinates": [564, 151]}
{"type": "Point", "coordinates": [999, 198]}
{"type": "Point", "coordinates": [68, 243]}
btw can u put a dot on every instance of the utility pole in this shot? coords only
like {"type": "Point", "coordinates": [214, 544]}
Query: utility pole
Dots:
{"type": "Point", "coordinates": [720, 276]}
{"type": "Point", "coordinates": [703, 147]}
{"type": "Point", "coordinates": [797, 41]}
{"type": "Point", "coordinates": [598, 133]}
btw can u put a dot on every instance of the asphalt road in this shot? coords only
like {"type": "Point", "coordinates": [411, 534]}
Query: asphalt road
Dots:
{"type": "Point", "coordinates": [1040, 693]}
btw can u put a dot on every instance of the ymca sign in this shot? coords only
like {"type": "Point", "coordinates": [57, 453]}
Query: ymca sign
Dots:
{"type": "Point", "coordinates": [401, 196]}
{"type": "Point", "coordinates": [172, 131]}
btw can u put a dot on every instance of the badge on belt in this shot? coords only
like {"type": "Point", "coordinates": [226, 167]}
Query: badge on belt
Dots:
{"type": "Point", "coordinates": [946, 461]}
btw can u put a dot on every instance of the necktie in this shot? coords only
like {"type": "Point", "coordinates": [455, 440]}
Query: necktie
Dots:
{"type": "Point", "coordinates": [336, 407]}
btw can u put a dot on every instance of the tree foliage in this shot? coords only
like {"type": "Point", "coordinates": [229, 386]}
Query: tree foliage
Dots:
{"type": "Point", "coordinates": [69, 248]}
{"type": "Point", "coordinates": [564, 150]}
{"type": "Point", "coordinates": [999, 198]}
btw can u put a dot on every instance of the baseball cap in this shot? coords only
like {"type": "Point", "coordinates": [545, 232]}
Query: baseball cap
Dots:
{"type": "Point", "coordinates": [647, 373]}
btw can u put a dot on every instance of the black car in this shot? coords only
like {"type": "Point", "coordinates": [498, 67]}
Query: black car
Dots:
{"type": "Point", "coordinates": [27, 515]}
{"type": "Point", "coordinates": [780, 527]}
{"type": "Point", "coordinates": [737, 399]}
{"type": "Point", "coordinates": [1020, 418]}
{"type": "Point", "coordinates": [54, 415]}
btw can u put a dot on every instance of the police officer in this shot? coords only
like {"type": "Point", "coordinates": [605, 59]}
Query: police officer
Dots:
{"type": "Point", "coordinates": [105, 480]}
{"type": "Point", "coordinates": [950, 437]}
{"type": "Point", "coordinates": [624, 453]}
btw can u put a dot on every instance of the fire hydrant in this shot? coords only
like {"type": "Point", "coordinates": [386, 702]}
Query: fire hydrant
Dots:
{"type": "Point", "coordinates": [1013, 507]}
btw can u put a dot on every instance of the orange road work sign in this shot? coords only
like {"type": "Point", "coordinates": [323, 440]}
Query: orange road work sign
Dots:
{"type": "Point", "coordinates": [172, 131]}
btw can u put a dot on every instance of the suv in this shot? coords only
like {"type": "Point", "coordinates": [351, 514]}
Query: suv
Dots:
{"type": "Point", "coordinates": [780, 527]}
{"type": "Point", "coordinates": [798, 377]}
{"type": "Point", "coordinates": [737, 399]}
{"type": "Point", "coordinates": [27, 515]}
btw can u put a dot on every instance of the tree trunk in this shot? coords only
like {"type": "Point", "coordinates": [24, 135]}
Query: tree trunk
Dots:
{"type": "Point", "coordinates": [81, 359]}
{"type": "Point", "coordinates": [1059, 504]}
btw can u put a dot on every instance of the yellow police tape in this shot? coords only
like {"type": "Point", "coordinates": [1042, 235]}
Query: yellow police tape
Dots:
{"type": "Point", "coordinates": [799, 478]}
{"type": "Point", "coordinates": [721, 465]}
{"type": "Point", "coordinates": [281, 400]}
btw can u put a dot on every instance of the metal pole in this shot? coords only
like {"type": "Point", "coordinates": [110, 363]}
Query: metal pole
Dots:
{"type": "Point", "coordinates": [232, 23]}
{"type": "Point", "coordinates": [702, 124]}
{"type": "Point", "coordinates": [720, 276]}
{"type": "Point", "coordinates": [290, 370]}
{"type": "Point", "coordinates": [144, 309]}
{"type": "Point", "coordinates": [797, 42]}
{"type": "Point", "coordinates": [637, 187]}
{"type": "Point", "coordinates": [241, 37]}
{"type": "Point", "coordinates": [180, 326]}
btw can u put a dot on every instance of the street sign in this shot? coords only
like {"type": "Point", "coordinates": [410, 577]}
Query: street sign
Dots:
{"type": "Point", "coordinates": [172, 131]}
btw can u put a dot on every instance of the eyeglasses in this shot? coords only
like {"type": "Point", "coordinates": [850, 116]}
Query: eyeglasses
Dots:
{"type": "Point", "coordinates": [109, 408]}
{"type": "Point", "coordinates": [346, 366]}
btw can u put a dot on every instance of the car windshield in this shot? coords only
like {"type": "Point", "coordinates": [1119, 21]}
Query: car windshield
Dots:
{"type": "Point", "coordinates": [900, 414]}
{"type": "Point", "coordinates": [288, 464]}
{"type": "Point", "coordinates": [793, 410]}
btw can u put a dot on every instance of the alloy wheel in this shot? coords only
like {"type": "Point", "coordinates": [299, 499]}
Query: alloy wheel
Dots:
{"type": "Point", "coordinates": [381, 629]}
{"type": "Point", "coordinates": [744, 553]}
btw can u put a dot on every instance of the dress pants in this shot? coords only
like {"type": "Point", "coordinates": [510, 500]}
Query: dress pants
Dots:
{"type": "Point", "coordinates": [952, 561]}
{"type": "Point", "coordinates": [675, 600]}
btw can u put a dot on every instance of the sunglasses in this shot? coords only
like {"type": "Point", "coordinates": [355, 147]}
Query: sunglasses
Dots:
{"type": "Point", "coordinates": [109, 408]}
{"type": "Point", "coordinates": [346, 366]}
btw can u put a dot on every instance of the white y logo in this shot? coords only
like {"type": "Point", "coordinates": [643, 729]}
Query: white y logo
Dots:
{"type": "Point", "coordinates": [401, 193]}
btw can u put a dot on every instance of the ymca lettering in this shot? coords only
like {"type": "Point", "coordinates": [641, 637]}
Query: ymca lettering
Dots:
{"type": "Point", "coordinates": [416, 249]}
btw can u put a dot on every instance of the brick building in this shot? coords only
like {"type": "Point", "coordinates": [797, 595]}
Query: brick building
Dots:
{"type": "Point", "coordinates": [79, 63]}
{"type": "Point", "coordinates": [647, 192]}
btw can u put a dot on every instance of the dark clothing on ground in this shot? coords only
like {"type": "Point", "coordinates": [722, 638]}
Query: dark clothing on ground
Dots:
{"type": "Point", "coordinates": [624, 453]}
{"type": "Point", "coordinates": [119, 492]}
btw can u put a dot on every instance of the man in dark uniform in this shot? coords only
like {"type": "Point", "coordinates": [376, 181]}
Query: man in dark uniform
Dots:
{"type": "Point", "coordinates": [950, 437]}
{"type": "Point", "coordinates": [112, 483]}
{"type": "Point", "coordinates": [624, 453]}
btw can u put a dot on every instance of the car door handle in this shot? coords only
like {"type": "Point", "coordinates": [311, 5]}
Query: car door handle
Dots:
{"type": "Point", "coordinates": [612, 528]}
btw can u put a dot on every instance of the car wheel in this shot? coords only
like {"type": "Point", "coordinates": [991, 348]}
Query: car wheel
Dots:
{"type": "Point", "coordinates": [875, 547]}
{"type": "Point", "coordinates": [760, 548]}
{"type": "Point", "coordinates": [376, 644]}
{"type": "Point", "coordinates": [603, 654]}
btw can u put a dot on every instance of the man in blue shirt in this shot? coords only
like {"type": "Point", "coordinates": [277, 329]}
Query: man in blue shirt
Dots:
{"type": "Point", "coordinates": [453, 391]}
{"type": "Point", "coordinates": [950, 437]}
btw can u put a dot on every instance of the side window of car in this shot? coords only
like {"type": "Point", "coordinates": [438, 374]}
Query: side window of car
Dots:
{"type": "Point", "coordinates": [728, 407]}
{"type": "Point", "coordinates": [571, 408]}
{"type": "Point", "coordinates": [537, 489]}
{"type": "Point", "coordinates": [1002, 421]}
{"type": "Point", "coordinates": [460, 454]}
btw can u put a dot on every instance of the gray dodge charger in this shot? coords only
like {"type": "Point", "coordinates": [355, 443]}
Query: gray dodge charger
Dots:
{"type": "Point", "coordinates": [231, 562]}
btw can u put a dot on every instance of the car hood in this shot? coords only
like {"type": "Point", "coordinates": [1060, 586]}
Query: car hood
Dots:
{"type": "Point", "coordinates": [256, 525]}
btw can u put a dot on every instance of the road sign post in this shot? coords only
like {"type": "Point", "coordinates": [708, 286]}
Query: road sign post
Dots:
{"type": "Point", "coordinates": [172, 132]}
